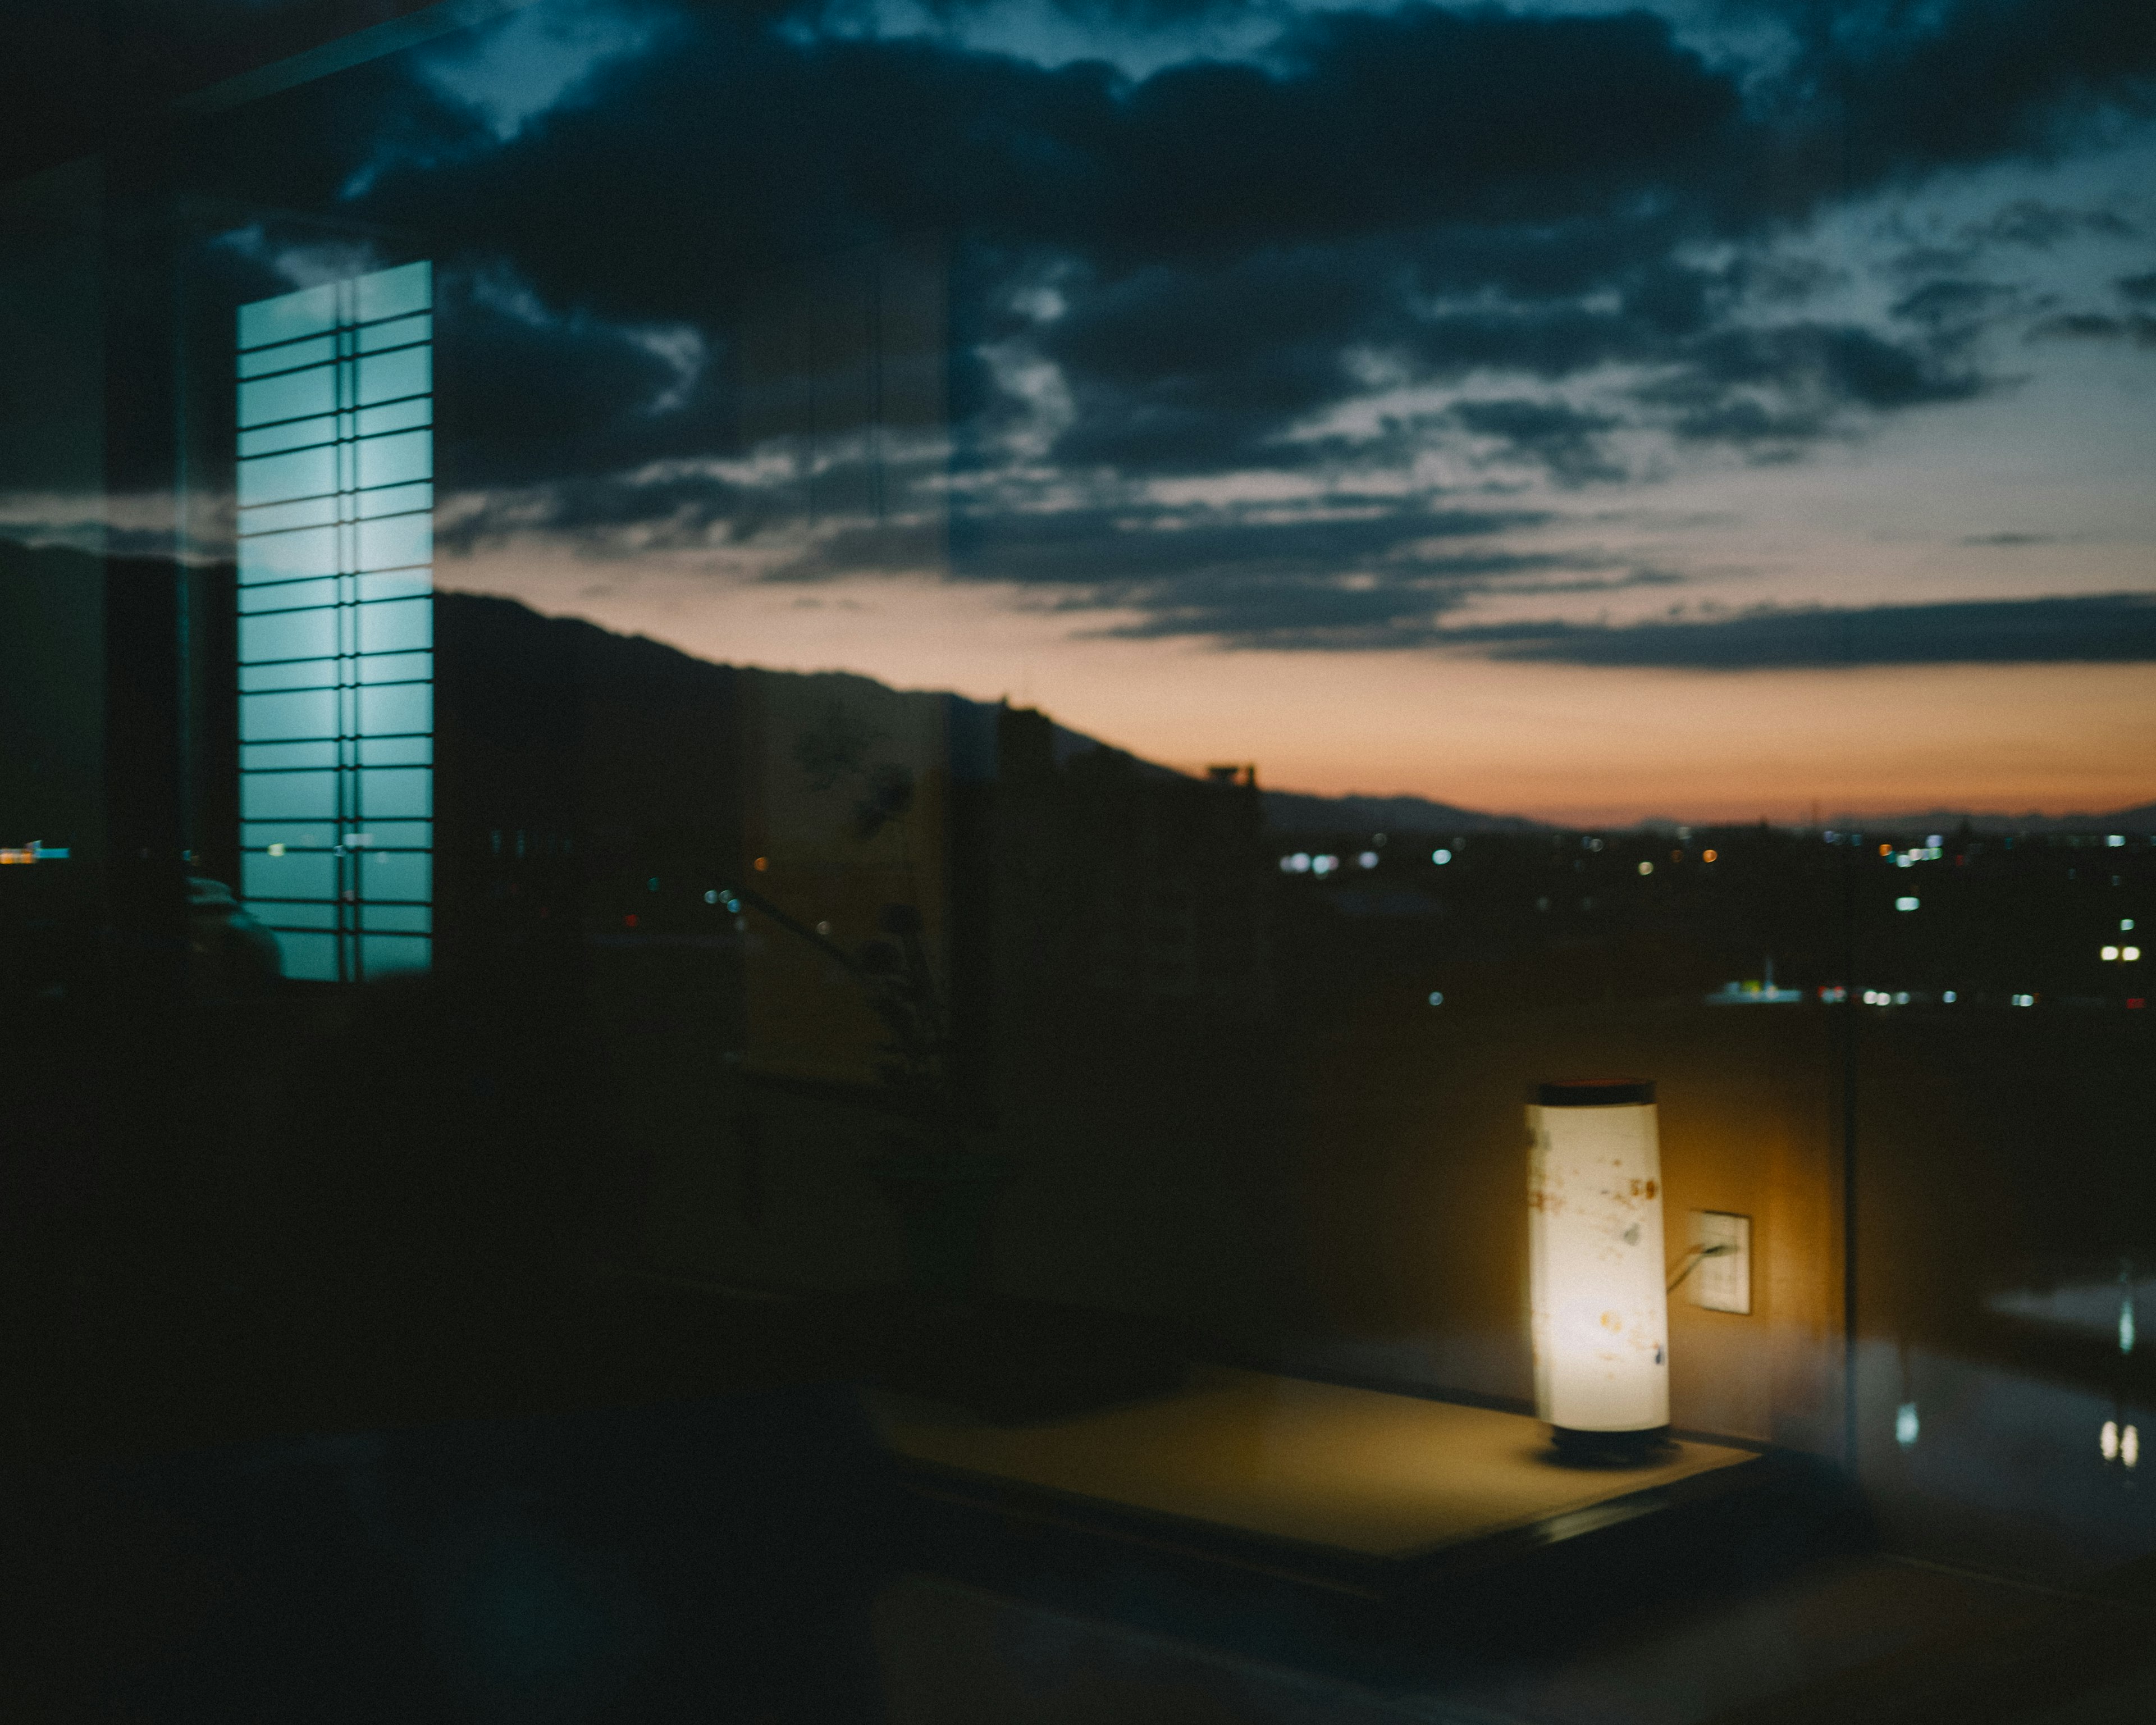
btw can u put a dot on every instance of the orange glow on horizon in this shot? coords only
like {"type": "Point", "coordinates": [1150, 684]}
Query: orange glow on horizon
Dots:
{"type": "Point", "coordinates": [1573, 746]}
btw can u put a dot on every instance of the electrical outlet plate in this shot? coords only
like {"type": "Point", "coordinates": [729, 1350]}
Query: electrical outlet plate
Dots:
{"type": "Point", "coordinates": [1723, 1282]}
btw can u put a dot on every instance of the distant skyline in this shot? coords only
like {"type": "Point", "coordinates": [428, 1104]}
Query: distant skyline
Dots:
{"type": "Point", "coordinates": [1709, 410]}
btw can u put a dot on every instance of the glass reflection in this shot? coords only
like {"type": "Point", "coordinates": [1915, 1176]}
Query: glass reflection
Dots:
{"type": "Point", "coordinates": [992, 683]}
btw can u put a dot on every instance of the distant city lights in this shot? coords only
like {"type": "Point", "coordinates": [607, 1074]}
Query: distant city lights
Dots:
{"type": "Point", "coordinates": [1906, 1426]}
{"type": "Point", "coordinates": [2109, 955]}
{"type": "Point", "coordinates": [1436, 999]}
{"type": "Point", "coordinates": [1367, 859]}
{"type": "Point", "coordinates": [1440, 857]}
{"type": "Point", "coordinates": [1709, 856]}
{"type": "Point", "coordinates": [1949, 997]}
{"type": "Point", "coordinates": [2117, 841]}
{"type": "Point", "coordinates": [1906, 904]}
{"type": "Point", "coordinates": [1324, 865]}
{"type": "Point", "coordinates": [2119, 1443]}
{"type": "Point", "coordinates": [2024, 999]}
{"type": "Point", "coordinates": [1299, 864]}
{"type": "Point", "coordinates": [2107, 1440]}
{"type": "Point", "coordinates": [2120, 955]}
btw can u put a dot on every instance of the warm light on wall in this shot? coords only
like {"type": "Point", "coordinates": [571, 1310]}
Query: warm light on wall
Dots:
{"type": "Point", "coordinates": [1600, 1307]}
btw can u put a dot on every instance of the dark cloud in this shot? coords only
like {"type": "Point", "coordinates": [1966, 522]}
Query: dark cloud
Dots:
{"type": "Point", "coordinates": [1116, 548]}
{"type": "Point", "coordinates": [1343, 577]}
{"type": "Point", "coordinates": [2102, 629]}
{"type": "Point", "coordinates": [535, 390]}
{"type": "Point", "coordinates": [2138, 287]}
{"type": "Point", "coordinates": [1951, 303]}
{"type": "Point", "coordinates": [1230, 244]}
{"type": "Point", "coordinates": [1882, 89]}
{"type": "Point", "coordinates": [2138, 327]}
{"type": "Point", "coordinates": [2040, 226]}
{"type": "Point", "coordinates": [1301, 609]}
{"type": "Point", "coordinates": [1451, 199]}
{"type": "Point", "coordinates": [1566, 441]}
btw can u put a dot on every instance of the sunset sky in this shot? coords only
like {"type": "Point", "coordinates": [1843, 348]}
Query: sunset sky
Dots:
{"type": "Point", "coordinates": [1710, 410]}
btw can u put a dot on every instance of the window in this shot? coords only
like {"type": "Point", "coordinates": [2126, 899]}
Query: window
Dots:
{"type": "Point", "coordinates": [335, 495]}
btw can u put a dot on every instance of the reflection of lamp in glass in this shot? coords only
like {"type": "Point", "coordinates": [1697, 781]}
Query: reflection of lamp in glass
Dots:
{"type": "Point", "coordinates": [1595, 1230]}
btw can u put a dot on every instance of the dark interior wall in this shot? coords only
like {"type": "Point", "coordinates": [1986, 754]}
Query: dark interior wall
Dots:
{"type": "Point", "coordinates": [2006, 1213]}
{"type": "Point", "coordinates": [53, 445]}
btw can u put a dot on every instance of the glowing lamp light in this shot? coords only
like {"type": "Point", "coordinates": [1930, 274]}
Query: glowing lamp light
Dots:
{"type": "Point", "coordinates": [1600, 1309]}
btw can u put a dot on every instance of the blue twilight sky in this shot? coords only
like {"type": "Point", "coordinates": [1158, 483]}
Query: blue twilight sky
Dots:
{"type": "Point", "coordinates": [1713, 408]}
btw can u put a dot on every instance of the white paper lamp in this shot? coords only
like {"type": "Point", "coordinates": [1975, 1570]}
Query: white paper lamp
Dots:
{"type": "Point", "coordinates": [1600, 1309]}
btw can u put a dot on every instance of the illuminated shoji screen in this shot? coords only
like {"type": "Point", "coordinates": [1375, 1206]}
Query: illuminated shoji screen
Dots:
{"type": "Point", "coordinates": [336, 664]}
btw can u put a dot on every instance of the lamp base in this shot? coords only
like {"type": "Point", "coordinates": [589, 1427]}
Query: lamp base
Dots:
{"type": "Point", "coordinates": [1610, 1448]}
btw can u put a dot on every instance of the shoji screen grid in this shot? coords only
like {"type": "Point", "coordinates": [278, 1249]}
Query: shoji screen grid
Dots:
{"type": "Point", "coordinates": [335, 498]}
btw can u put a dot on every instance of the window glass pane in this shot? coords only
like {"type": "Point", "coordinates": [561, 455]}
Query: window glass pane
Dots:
{"type": "Point", "coordinates": [289, 396]}
{"type": "Point", "coordinates": [1259, 581]}
{"type": "Point", "coordinates": [397, 707]}
{"type": "Point", "coordinates": [395, 751]}
{"type": "Point", "coordinates": [395, 416]}
{"type": "Point", "coordinates": [293, 673]}
{"type": "Point", "coordinates": [399, 333]}
{"type": "Point", "coordinates": [308, 312]}
{"type": "Point", "coordinates": [396, 625]}
{"type": "Point", "coordinates": [292, 435]}
{"type": "Point", "coordinates": [396, 875]}
{"type": "Point", "coordinates": [397, 458]}
{"type": "Point", "coordinates": [282, 913]}
{"type": "Point", "coordinates": [395, 584]}
{"type": "Point", "coordinates": [294, 875]}
{"type": "Point", "coordinates": [308, 957]}
{"type": "Point", "coordinates": [406, 370]}
{"type": "Point", "coordinates": [398, 834]}
{"type": "Point", "coordinates": [287, 358]}
{"type": "Point", "coordinates": [396, 540]}
{"type": "Point", "coordinates": [289, 796]}
{"type": "Point", "coordinates": [392, 792]}
{"type": "Point", "coordinates": [396, 919]}
{"type": "Point", "coordinates": [275, 517]}
{"type": "Point", "coordinates": [272, 718]}
{"type": "Point", "coordinates": [309, 835]}
{"type": "Point", "coordinates": [396, 500]}
{"type": "Point", "coordinates": [287, 754]}
{"type": "Point", "coordinates": [273, 479]}
{"type": "Point", "coordinates": [288, 635]}
{"type": "Point", "coordinates": [396, 667]}
{"type": "Point", "coordinates": [289, 556]}
{"type": "Point", "coordinates": [394, 293]}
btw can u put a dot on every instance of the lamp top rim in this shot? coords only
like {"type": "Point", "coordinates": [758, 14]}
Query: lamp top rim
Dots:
{"type": "Point", "coordinates": [1595, 1093]}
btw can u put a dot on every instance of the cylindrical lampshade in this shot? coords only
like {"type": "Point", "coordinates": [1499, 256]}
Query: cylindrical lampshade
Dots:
{"type": "Point", "coordinates": [1594, 1232]}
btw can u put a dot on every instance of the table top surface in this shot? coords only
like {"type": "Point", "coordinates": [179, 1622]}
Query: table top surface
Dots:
{"type": "Point", "coordinates": [1357, 1471]}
